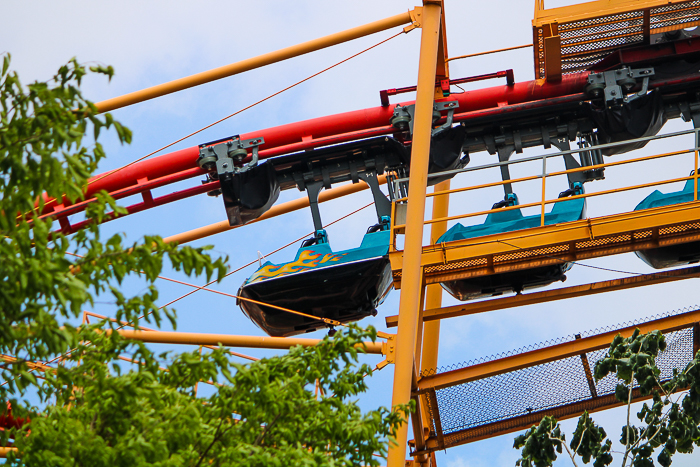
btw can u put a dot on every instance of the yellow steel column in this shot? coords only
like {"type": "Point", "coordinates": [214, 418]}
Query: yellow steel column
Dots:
{"type": "Point", "coordinates": [412, 277]}
{"type": "Point", "coordinates": [433, 296]}
{"type": "Point", "coordinates": [431, 329]}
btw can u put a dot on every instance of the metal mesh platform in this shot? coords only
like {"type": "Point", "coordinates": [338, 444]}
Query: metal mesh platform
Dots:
{"type": "Point", "coordinates": [586, 34]}
{"type": "Point", "coordinates": [557, 244]}
{"type": "Point", "coordinates": [508, 401]}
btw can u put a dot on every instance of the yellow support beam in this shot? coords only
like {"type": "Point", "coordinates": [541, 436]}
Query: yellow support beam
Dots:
{"type": "Point", "coordinates": [437, 313]}
{"type": "Point", "coordinates": [550, 354]}
{"type": "Point", "coordinates": [410, 305]}
{"type": "Point", "coordinates": [228, 340]}
{"type": "Point", "coordinates": [554, 244]}
{"type": "Point", "coordinates": [253, 63]}
{"type": "Point", "coordinates": [598, 8]}
{"type": "Point", "coordinates": [568, 39]}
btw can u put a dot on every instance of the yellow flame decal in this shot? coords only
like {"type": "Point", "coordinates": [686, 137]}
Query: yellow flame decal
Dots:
{"type": "Point", "coordinates": [307, 260]}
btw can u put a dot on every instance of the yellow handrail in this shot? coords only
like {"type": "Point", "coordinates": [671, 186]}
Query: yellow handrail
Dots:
{"type": "Point", "coordinates": [543, 201]}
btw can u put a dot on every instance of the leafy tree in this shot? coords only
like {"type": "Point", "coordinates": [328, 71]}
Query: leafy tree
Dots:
{"type": "Point", "coordinates": [669, 425]}
{"type": "Point", "coordinates": [93, 411]}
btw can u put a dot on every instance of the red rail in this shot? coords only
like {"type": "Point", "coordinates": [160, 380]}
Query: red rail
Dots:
{"type": "Point", "coordinates": [179, 165]}
{"type": "Point", "coordinates": [348, 126]}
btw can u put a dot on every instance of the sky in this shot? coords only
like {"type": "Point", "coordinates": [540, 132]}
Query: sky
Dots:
{"type": "Point", "coordinates": [153, 42]}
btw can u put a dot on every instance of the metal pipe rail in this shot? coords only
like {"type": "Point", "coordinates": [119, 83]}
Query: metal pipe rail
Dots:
{"type": "Point", "coordinates": [556, 154]}
{"type": "Point", "coordinates": [397, 228]}
{"type": "Point", "coordinates": [312, 134]}
{"type": "Point", "coordinates": [353, 125]}
{"type": "Point", "coordinates": [228, 340]}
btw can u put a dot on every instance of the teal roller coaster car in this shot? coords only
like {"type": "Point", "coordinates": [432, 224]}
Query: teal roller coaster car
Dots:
{"type": "Point", "coordinates": [344, 286]}
{"type": "Point", "coordinates": [508, 221]}
{"type": "Point", "coordinates": [673, 255]}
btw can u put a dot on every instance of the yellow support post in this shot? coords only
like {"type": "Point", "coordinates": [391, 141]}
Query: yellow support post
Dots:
{"type": "Point", "coordinates": [4, 451]}
{"type": "Point", "coordinates": [431, 331]}
{"type": "Point", "coordinates": [433, 295]}
{"type": "Point", "coordinates": [412, 272]}
{"type": "Point", "coordinates": [252, 63]}
{"type": "Point", "coordinates": [696, 135]}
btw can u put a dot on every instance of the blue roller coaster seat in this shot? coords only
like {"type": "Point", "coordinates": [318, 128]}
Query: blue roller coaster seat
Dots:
{"type": "Point", "coordinates": [673, 255]}
{"type": "Point", "coordinates": [499, 221]}
{"type": "Point", "coordinates": [658, 198]}
{"type": "Point", "coordinates": [508, 221]}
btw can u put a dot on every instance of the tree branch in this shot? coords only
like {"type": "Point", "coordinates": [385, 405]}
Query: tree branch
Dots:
{"type": "Point", "coordinates": [266, 430]}
{"type": "Point", "coordinates": [217, 437]}
{"type": "Point", "coordinates": [571, 455]}
{"type": "Point", "coordinates": [629, 407]}
{"type": "Point", "coordinates": [581, 440]}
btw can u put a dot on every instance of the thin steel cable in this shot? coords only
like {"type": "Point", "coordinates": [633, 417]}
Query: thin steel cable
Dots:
{"type": "Point", "coordinates": [205, 288]}
{"type": "Point", "coordinates": [198, 288]}
{"type": "Point", "coordinates": [100, 177]}
{"type": "Point", "coordinates": [576, 262]}
{"type": "Point", "coordinates": [244, 109]}
{"type": "Point", "coordinates": [489, 52]}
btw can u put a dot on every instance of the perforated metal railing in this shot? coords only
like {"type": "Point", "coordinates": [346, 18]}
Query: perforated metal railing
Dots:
{"type": "Point", "coordinates": [693, 151]}
{"type": "Point", "coordinates": [591, 36]}
{"type": "Point", "coordinates": [514, 400]}
{"type": "Point", "coordinates": [630, 238]}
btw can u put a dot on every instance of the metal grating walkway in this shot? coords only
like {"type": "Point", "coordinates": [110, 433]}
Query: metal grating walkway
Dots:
{"type": "Point", "coordinates": [508, 393]}
{"type": "Point", "coordinates": [556, 244]}
{"type": "Point", "coordinates": [583, 35]}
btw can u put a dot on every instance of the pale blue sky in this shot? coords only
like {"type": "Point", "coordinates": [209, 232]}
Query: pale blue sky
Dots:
{"type": "Point", "coordinates": [153, 42]}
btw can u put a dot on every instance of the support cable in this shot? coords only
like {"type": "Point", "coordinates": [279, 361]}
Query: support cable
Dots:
{"type": "Point", "coordinates": [198, 288]}
{"type": "Point", "coordinates": [488, 52]}
{"type": "Point", "coordinates": [244, 109]}
{"type": "Point", "coordinates": [204, 287]}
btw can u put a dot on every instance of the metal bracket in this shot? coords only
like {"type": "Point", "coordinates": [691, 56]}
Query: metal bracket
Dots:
{"type": "Point", "coordinates": [221, 157]}
{"type": "Point", "coordinates": [416, 14]}
{"type": "Point", "coordinates": [504, 153]}
{"type": "Point", "coordinates": [312, 190]}
{"type": "Point", "coordinates": [450, 107]}
{"type": "Point", "coordinates": [389, 348]}
{"type": "Point", "coordinates": [402, 118]}
{"type": "Point", "coordinates": [381, 203]}
{"type": "Point", "coordinates": [690, 112]}
{"type": "Point", "coordinates": [615, 85]}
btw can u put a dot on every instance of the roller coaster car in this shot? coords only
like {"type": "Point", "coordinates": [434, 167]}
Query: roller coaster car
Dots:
{"type": "Point", "coordinates": [347, 285]}
{"type": "Point", "coordinates": [508, 221]}
{"type": "Point", "coordinates": [344, 286]}
{"type": "Point", "coordinates": [249, 189]}
{"type": "Point", "coordinates": [673, 255]}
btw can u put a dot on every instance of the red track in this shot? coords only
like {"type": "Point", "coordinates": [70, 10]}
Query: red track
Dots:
{"type": "Point", "coordinates": [334, 129]}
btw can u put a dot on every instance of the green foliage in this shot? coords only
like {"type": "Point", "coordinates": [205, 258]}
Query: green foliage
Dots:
{"type": "Point", "coordinates": [265, 413]}
{"type": "Point", "coordinates": [670, 424]}
{"type": "Point", "coordinates": [633, 358]}
{"type": "Point", "coordinates": [95, 411]}
{"type": "Point", "coordinates": [44, 154]}
{"type": "Point", "coordinates": [540, 444]}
